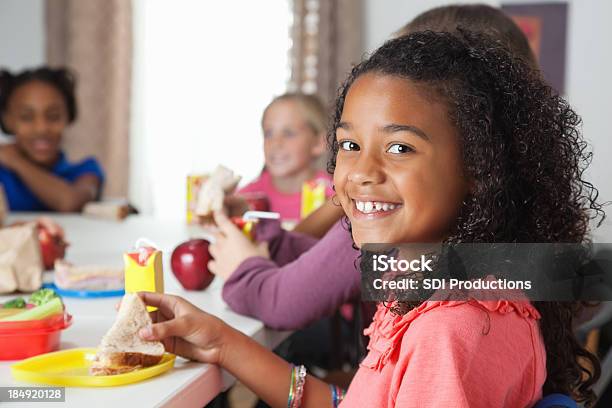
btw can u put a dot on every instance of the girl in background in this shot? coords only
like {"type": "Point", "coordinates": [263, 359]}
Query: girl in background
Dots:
{"type": "Point", "coordinates": [294, 128]}
{"type": "Point", "coordinates": [35, 107]}
{"type": "Point", "coordinates": [437, 137]}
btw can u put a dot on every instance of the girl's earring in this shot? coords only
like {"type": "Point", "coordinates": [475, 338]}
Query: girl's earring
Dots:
{"type": "Point", "coordinates": [335, 200]}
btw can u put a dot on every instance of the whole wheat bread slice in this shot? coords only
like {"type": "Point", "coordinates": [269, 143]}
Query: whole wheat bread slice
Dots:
{"type": "Point", "coordinates": [121, 349]}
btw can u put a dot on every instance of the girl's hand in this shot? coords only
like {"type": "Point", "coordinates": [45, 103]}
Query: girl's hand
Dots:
{"type": "Point", "coordinates": [231, 248]}
{"type": "Point", "coordinates": [186, 330]}
{"type": "Point", "coordinates": [10, 156]}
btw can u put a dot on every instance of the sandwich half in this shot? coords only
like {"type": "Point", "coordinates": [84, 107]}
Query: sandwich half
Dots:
{"type": "Point", "coordinates": [221, 182]}
{"type": "Point", "coordinates": [121, 349]}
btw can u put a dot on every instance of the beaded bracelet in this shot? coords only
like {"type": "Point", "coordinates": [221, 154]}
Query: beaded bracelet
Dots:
{"type": "Point", "coordinates": [337, 395]}
{"type": "Point", "coordinates": [296, 389]}
{"type": "Point", "coordinates": [291, 387]}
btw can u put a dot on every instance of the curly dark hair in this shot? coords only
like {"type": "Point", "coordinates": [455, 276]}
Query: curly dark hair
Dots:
{"type": "Point", "coordinates": [61, 78]}
{"type": "Point", "coordinates": [525, 155]}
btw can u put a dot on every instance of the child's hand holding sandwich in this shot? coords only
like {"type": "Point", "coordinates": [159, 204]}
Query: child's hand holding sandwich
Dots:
{"type": "Point", "coordinates": [189, 332]}
{"type": "Point", "coordinates": [184, 329]}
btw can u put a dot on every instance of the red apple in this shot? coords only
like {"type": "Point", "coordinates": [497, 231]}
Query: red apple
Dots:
{"type": "Point", "coordinates": [51, 240]}
{"type": "Point", "coordinates": [189, 264]}
{"type": "Point", "coordinates": [52, 247]}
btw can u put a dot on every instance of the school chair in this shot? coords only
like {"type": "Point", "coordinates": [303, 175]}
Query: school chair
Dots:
{"type": "Point", "coordinates": [589, 330]}
{"type": "Point", "coordinates": [556, 401]}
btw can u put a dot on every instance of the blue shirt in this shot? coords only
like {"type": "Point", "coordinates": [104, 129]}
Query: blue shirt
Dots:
{"type": "Point", "coordinates": [21, 198]}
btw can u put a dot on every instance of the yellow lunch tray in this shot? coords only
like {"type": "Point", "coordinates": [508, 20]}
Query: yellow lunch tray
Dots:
{"type": "Point", "coordinates": [70, 368]}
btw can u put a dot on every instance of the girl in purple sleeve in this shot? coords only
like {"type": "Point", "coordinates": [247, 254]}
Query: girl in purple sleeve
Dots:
{"type": "Point", "coordinates": [307, 280]}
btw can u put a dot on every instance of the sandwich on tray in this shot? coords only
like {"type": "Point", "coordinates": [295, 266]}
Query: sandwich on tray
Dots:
{"type": "Point", "coordinates": [121, 349]}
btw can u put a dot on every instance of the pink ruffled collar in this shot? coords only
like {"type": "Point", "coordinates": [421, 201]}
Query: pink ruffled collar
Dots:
{"type": "Point", "coordinates": [388, 328]}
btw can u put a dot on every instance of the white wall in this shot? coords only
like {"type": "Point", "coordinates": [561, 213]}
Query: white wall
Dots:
{"type": "Point", "coordinates": [22, 41]}
{"type": "Point", "coordinates": [203, 74]}
{"type": "Point", "coordinates": [589, 90]}
{"type": "Point", "coordinates": [588, 71]}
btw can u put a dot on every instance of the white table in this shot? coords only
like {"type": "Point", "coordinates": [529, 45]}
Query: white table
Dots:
{"type": "Point", "coordinates": [189, 384]}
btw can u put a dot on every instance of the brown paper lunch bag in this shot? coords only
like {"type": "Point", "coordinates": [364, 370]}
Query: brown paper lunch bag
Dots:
{"type": "Point", "coordinates": [20, 259]}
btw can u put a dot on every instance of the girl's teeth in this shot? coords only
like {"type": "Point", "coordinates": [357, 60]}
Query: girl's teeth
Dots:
{"type": "Point", "coordinates": [373, 206]}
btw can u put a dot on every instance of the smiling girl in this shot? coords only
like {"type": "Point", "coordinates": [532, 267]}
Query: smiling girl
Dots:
{"type": "Point", "coordinates": [437, 138]}
{"type": "Point", "coordinates": [35, 107]}
{"type": "Point", "coordinates": [293, 288]}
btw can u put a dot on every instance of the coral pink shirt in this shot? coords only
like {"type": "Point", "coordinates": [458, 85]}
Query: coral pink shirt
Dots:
{"type": "Point", "coordinates": [287, 205]}
{"type": "Point", "coordinates": [452, 354]}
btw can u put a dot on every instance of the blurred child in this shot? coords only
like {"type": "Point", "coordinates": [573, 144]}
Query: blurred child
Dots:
{"type": "Point", "coordinates": [35, 107]}
{"type": "Point", "coordinates": [294, 128]}
{"type": "Point", "coordinates": [433, 142]}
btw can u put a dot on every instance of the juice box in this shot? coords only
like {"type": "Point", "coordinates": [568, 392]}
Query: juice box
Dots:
{"type": "Point", "coordinates": [313, 196]}
{"type": "Point", "coordinates": [194, 183]}
{"type": "Point", "coordinates": [144, 271]}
